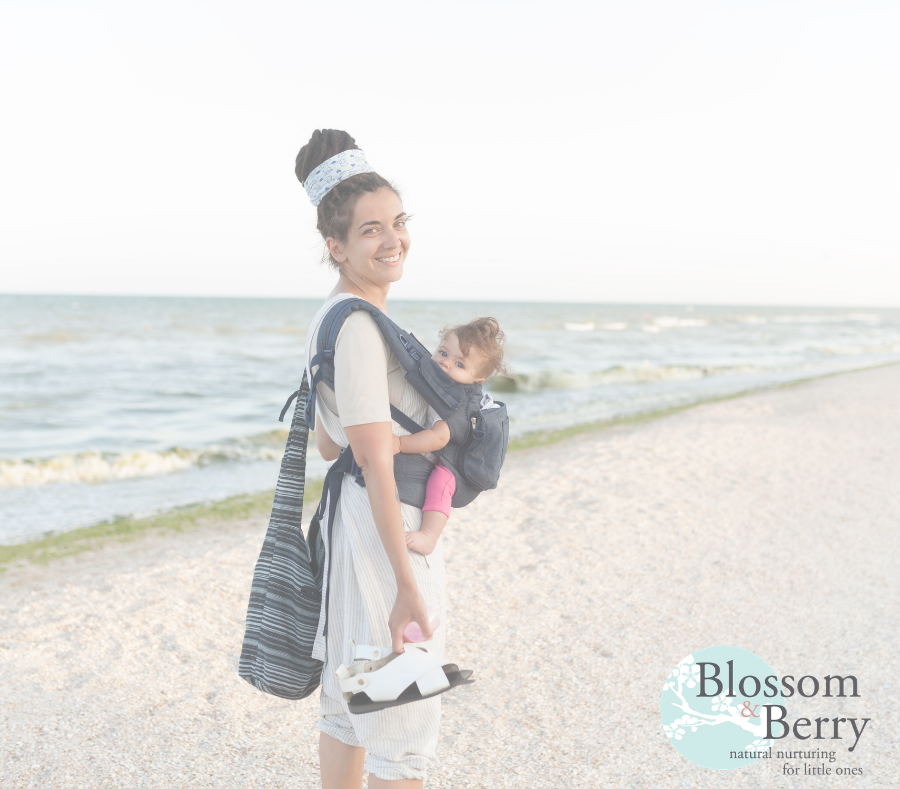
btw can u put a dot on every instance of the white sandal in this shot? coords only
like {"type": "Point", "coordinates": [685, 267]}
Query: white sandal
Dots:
{"type": "Point", "coordinates": [396, 678]}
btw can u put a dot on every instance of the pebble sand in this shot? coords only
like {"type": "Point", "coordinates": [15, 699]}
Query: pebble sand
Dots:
{"type": "Point", "coordinates": [768, 522]}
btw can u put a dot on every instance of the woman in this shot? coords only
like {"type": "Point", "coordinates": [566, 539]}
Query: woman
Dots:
{"type": "Point", "coordinates": [376, 585]}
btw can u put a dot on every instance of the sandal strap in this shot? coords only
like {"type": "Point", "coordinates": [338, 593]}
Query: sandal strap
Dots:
{"type": "Point", "coordinates": [388, 681]}
{"type": "Point", "coordinates": [367, 652]}
{"type": "Point", "coordinates": [433, 682]}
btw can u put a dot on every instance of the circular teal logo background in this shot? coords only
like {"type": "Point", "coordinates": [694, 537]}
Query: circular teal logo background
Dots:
{"type": "Point", "coordinates": [707, 729]}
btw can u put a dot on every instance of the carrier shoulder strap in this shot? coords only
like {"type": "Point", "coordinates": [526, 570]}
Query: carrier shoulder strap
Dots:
{"type": "Point", "coordinates": [437, 388]}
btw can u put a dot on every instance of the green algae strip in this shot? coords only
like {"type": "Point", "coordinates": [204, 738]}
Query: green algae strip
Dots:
{"type": "Point", "coordinates": [56, 546]}
{"type": "Point", "coordinates": [545, 437]}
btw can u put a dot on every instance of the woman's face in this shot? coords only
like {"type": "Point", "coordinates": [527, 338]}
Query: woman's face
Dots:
{"type": "Point", "coordinates": [377, 242]}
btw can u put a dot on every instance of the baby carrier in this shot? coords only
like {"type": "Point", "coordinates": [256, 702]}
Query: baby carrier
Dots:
{"type": "Point", "coordinates": [285, 598]}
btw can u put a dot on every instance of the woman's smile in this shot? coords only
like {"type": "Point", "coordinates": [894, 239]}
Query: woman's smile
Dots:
{"type": "Point", "coordinates": [373, 255]}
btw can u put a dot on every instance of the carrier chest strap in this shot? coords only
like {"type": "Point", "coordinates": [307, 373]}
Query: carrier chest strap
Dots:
{"type": "Point", "coordinates": [331, 491]}
{"type": "Point", "coordinates": [407, 423]}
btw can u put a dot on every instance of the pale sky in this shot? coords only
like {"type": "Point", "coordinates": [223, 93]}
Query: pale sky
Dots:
{"type": "Point", "coordinates": [698, 152]}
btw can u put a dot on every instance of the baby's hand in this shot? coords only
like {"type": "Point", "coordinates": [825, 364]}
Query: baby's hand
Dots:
{"type": "Point", "coordinates": [420, 542]}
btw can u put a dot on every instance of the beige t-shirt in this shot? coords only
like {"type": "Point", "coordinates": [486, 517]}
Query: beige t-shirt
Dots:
{"type": "Point", "coordinates": [368, 377]}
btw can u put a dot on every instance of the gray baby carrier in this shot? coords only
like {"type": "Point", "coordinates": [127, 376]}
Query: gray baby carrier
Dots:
{"type": "Point", "coordinates": [285, 598]}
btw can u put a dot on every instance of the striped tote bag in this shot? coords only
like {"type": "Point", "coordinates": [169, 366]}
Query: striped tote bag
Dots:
{"type": "Point", "coordinates": [286, 594]}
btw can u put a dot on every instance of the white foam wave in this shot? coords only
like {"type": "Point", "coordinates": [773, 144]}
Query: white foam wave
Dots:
{"type": "Point", "coordinates": [96, 467]}
{"type": "Point", "coordinates": [587, 326]}
{"type": "Point", "coordinates": [857, 350]}
{"type": "Point", "coordinates": [809, 319]}
{"type": "Point", "coordinates": [867, 317]}
{"type": "Point", "coordinates": [559, 379]}
{"type": "Point", "coordinates": [667, 322]}
{"type": "Point", "coordinates": [857, 317]}
{"type": "Point", "coordinates": [614, 326]}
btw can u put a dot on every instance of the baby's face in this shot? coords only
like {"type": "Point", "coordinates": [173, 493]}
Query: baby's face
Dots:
{"type": "Point", "coordinates": [462, 369]}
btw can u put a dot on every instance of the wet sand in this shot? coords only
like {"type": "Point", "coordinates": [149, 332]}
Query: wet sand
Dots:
{"type": "Point", "coordinates": [768, 522]}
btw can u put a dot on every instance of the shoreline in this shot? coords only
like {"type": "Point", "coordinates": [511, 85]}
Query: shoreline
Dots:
{"type": "Point", "coordinates": [43, 550]}
{"type": "Point", "coordinates": [767, 522]}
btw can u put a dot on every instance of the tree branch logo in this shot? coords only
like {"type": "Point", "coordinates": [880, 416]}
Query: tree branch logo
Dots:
{"type": "Point", "coordinates": [724, 707]}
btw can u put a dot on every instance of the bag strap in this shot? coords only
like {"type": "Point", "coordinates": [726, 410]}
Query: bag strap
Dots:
{"type": "Point", "coordinates": [287, 507]}
{"type": "Point", "coordinates": [291, 399]}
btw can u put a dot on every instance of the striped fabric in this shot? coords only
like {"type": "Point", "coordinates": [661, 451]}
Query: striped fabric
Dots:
{"type": "Point", "coordinates": [286, 594]}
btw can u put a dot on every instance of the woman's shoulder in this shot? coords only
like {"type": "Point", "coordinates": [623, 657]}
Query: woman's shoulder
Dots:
{"type": "Point", "coordinates": [327, 305]}
{"type": "Point", "coordinates": [361, 331]}
{"type": "Point", "coordinates": [316, 323]}
{"type": "Point", "coordinates": [359, 335]}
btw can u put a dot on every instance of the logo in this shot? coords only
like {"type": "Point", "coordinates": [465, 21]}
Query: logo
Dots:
{"type": "Point", "coordinates": [713, 707]}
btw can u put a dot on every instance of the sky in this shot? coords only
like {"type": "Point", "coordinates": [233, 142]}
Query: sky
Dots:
{"type": "Point", "coordinates": [691, 152]}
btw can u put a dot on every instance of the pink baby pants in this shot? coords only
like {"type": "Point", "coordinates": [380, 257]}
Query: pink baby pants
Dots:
{"type": "Point", "coordinates": [439, 490]}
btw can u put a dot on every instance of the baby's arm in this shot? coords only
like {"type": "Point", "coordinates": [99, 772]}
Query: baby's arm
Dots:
{"type": "Point", "coordinates": [327, 448]}
{"type": "Point", "coordinates": [426, 440]}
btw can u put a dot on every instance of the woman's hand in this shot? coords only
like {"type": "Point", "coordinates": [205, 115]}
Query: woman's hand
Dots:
{"type": "Point", "coordinates": [409, 606]}
{"type": "Point", "coordinates": [397, 449]}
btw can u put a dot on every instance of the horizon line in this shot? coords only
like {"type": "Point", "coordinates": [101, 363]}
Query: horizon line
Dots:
{"type": "Point", "coordinates": [464, 301]}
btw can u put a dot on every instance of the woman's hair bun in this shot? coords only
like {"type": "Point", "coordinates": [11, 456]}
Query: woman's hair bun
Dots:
{"type": "Point", "coordinates": [323, 144]}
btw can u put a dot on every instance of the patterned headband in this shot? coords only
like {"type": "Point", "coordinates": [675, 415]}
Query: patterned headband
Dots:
{"type": "Point", "coordinates": [334, 170]}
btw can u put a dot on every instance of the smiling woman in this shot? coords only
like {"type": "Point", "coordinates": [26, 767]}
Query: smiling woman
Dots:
{"type": "Point", "coordinates": [373, 586]}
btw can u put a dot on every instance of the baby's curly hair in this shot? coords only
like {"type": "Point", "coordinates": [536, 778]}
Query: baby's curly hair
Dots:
{"type": "Point", "coordinates": [485, 335]}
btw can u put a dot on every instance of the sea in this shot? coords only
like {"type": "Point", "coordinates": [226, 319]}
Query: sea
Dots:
{"type": "Point", "coordinates": [128, 406]}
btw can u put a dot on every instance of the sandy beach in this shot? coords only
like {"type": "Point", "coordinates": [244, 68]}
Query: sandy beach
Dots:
{"type": "Point", "coordinates": [768, 522]}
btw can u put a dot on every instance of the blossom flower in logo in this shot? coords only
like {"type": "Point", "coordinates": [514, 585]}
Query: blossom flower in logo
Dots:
{"type": "Point", "coordinates": [674, 729]}
{"type": "Point", "coordinates": [722, 703]}
{"type": "Point", "coordinates": [683, 674]}
{"type": "Point", "coordinates": [758, 746]}
{"type": "Point", "coordinates": [691, 674]}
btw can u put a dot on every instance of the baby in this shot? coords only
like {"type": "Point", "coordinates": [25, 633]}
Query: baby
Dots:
{"type": "Point", "coordinates": [469, 354]}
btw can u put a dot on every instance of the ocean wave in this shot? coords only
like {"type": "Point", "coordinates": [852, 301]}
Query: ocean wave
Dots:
{"type": "Point", "coordinates": [587, 326]}
{"type": "Point", "coordinates": [809, 319]}
{"type": "Point", "coordinates": [866, 317]}
{"type": "Point", "coordinates": [50, 338]}
{"type": "Point", "coordinates": [857, 350]}
{"type": "Point", "coordinates": [544, 380]}
{"type": "Point", "coordinates": [96, 467]}
{"type": "Point", "coordinates": [861, 317]}
{"type": "Point", "coordinates": [666, 322]}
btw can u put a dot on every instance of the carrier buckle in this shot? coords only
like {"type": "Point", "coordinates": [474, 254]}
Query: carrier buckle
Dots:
{"type": "Point", "coordinates": [408, 345]}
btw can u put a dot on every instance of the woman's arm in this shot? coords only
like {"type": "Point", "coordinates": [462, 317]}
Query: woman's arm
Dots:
{"type": "Point", "coordinates": [373, 449]}
{"type": "Point", "coordinates": [426, 440]}
{"type": "Point", "coordinates": [327, 448]}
